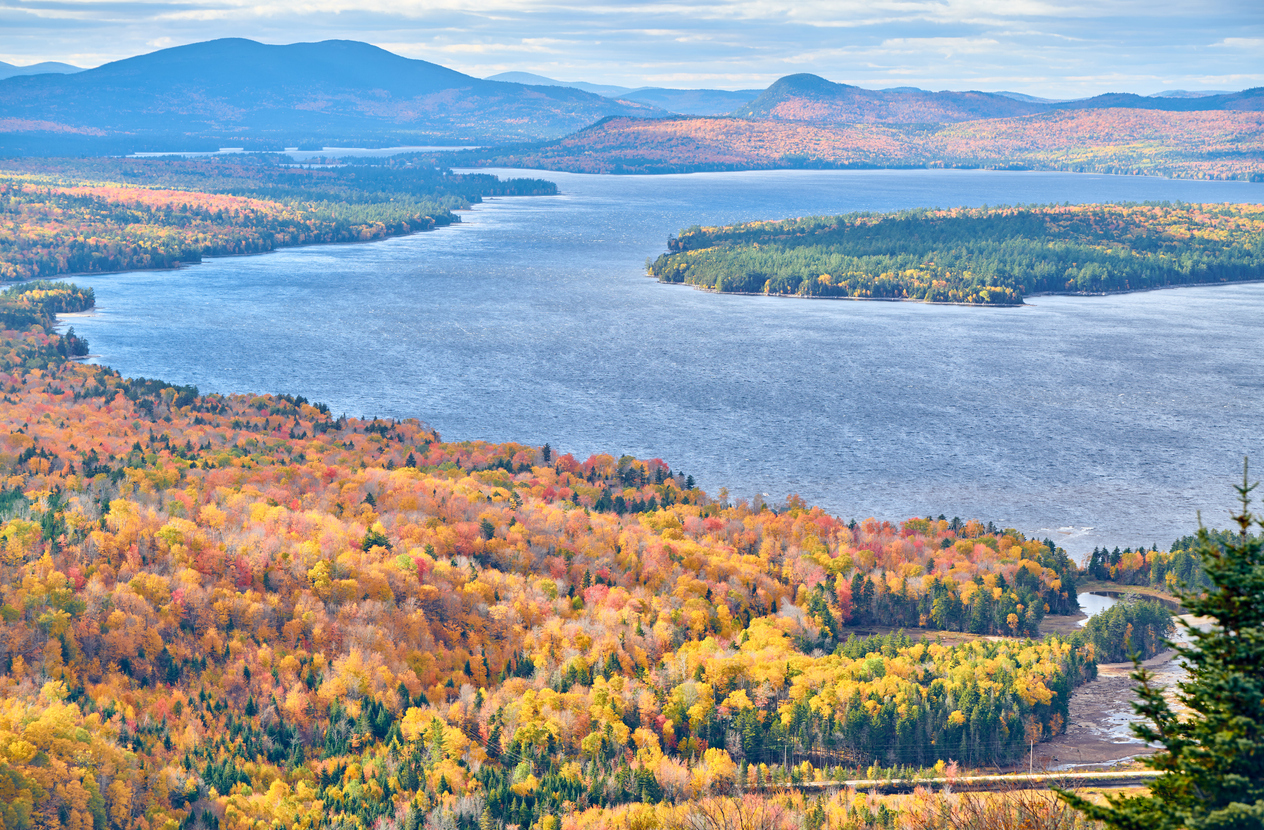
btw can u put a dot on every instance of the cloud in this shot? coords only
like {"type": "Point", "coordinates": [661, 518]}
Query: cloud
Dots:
{"type": "Point", "coordinates": [1255, 44]}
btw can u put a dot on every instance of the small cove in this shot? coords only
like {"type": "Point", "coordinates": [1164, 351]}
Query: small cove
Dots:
{"type": "Point", "coordinates": [1094, 604]}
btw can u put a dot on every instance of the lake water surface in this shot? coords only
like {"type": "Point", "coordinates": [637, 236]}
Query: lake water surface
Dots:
{"type": "Point", "coordinates": [1093, 420]}
{"type": "Point", "coordinates": [1094, 604]}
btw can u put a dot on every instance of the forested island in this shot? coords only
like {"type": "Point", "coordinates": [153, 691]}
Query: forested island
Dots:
{"type": "Point", "coordinates": [221, 611]}
{"type": "Point", "coordinates": [67, 216]}
{"type": "Point", "coordinates": [984, 256]}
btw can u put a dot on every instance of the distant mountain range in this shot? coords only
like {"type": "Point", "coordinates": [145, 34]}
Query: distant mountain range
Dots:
{"type": "Point", "coordinates": [1191, 93]}
{"type": "Point", "coordinates": [8, 70]}
{"type": "Point", "coordinates": [1248, 100]}
{"type": "Point", "coordinates": [1021, 96]}
{"type": "Point", "coordinates": [678, 101]}
{"type": "Point", "coordinates": [235, 92]}
{"type": "Point", "coordinates": [531, 79]}
{"type": "Point", "coordinates": [1171, 93]}
{"type": "Point", "coordinates": [812, 99]}
{"type": "Point", "coordinates": [240, 92]}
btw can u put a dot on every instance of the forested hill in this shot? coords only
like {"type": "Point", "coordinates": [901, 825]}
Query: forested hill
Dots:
{"type": "Point", "coordinates": [1203, 145]}
{"type": "Point", "coordinates": [978, 256]}
{"type": "Point", "coordinates": [807, 97]}
{"type": "Point", "coordinates": [65, 216]}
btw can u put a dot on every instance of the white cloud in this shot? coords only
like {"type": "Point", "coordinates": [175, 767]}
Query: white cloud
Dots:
{"type": "Point", "coordinates": [1255, 44]}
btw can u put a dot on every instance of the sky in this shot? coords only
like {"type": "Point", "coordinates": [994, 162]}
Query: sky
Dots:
{"type": "Point", "coordinates": [1050, 49]}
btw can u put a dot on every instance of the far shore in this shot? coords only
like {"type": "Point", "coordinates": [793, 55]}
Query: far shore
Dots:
{"type": "Point", "coordinates": [1098, 586]}
{"type": "Point", "coordinates": [1139, 290]}
{"type": "Point", "coordinates": [179, 265]}
{"type": "Point", "coordinates": [706, 290]}
{"type": "Point", "coordinates": [1023, 304]}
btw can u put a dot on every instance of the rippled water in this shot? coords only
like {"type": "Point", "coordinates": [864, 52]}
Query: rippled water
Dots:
{"type": "Point", "coordinates": [1103, 420]}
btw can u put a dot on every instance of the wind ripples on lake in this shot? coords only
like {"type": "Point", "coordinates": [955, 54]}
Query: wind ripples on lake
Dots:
{"type": "Point", "coordinates": [1093, 420]}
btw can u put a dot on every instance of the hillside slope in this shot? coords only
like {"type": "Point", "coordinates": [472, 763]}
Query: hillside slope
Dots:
{"type": "Point", "coordinates": [1222, 145]}
{"type": "Point", "coordinates": [232, 612]}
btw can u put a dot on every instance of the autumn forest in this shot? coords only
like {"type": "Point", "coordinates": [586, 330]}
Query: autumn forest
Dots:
{"type": "Point", "coordinates": [242, 611]}
{"type": "Point", "coordinates": [98, 214]}
{"type": "Point", "coordinates": [251, 606]}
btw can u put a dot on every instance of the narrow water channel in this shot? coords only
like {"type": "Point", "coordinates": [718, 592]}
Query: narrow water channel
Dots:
{"type": "Point", "coordinates": [1099, 731]}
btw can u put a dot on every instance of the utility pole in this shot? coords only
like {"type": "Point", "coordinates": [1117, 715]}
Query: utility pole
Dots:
{"type": "Point", "coordinates": [1030, 754]}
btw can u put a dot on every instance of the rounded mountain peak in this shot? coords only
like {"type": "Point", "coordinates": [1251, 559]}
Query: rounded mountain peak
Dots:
{"type": "Point", "coordinates": [801, 87]}
{"type": "Point", "coordinates": [805, 83]}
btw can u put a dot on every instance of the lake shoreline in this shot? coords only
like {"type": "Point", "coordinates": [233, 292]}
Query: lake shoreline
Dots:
{"type": "Point", "coordinates": [177, 266]}
{"type": "Point", "coordinates": [851, 299]}
{"type": "Point", "coordinates": [620, 170]}
{"type": "Point", "coordinates": [1023, 304]}
{"type": "Point", "coordinates": [1140, 290]}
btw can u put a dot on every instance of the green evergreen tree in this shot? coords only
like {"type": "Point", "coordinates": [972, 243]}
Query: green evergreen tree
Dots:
{"type": "Point", "coordinates": [1212, 761]}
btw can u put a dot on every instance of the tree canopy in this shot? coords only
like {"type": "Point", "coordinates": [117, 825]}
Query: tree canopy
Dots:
{"type": "Point", "coordinates": [983, 256]}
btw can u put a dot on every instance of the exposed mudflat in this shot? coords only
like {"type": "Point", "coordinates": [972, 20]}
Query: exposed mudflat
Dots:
{"type": "Point", "coordinates": [1098, 732]}
{"type": "Point", "coordinates": [1064, 624]}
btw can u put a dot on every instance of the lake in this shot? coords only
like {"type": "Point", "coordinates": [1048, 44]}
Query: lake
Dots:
{"type": "Point", "coordinates": [1091, 420]}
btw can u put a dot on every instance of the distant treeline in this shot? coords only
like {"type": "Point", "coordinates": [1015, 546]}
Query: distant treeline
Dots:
{"type": "Point", "coordinates": [990, 256]}
{"type": "Point", "coordinates": [39, 301]}
{"type": "Point", "coordinates": [1043, 583]}
{"type": "Point", "coordinates": [375, 181]}
{"type": "Point", "coordinates": [1179, 568]}
{"type": "Point", "coordinates": [1139, 624]}
{"type": "Point", "coordinates": [61, 216]}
